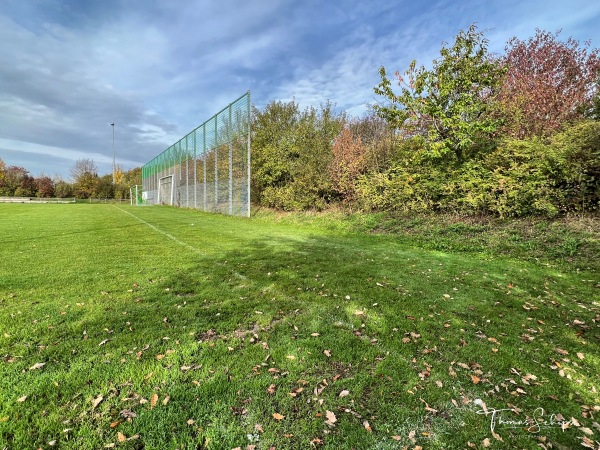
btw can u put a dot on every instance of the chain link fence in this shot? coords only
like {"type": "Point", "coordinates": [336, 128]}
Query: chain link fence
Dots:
{"type": "Point", "coordinates": [208, 169]}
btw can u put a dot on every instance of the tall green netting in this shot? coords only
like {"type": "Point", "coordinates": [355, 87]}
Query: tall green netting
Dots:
{"type": "Point", "coordinates": [209, 168]}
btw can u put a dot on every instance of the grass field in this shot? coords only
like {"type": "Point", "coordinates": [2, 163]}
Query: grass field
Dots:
{"type": "Point", "coordinates": [163, 328]}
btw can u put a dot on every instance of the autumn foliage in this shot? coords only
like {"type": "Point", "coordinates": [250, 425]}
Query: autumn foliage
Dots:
{"type": "Point", "coordinates": [548, 84]}
{"type": "Point", "coordinates": [349, 158]}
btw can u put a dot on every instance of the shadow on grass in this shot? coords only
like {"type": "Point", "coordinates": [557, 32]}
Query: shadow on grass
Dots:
{"type": "Point", "coordinates": [414, 337]}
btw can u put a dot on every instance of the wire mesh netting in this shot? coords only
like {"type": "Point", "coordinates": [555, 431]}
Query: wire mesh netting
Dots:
{"type": "Point", "coordinates": [209, 168]}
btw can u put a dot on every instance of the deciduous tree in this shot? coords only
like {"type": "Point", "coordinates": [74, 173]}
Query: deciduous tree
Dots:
{"type": "Point", "coordinates": [450, 104]}
{"type": "Point", "coordinates": [548, 84]}
{"type": "Point", "coordinates": [83, 167]}
{"type": "Point", "coordinates": [45, 186]}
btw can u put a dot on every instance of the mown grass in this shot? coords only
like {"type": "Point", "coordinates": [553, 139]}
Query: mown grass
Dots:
{"type": "Point", "coordinates": [169, 328]}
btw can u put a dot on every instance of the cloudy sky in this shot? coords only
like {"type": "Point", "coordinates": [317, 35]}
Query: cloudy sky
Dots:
{"type": "Point", "coordinates": [159, 68]}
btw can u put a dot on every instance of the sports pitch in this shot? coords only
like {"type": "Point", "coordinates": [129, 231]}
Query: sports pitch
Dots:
{"type": "Point", "coordinates": [165, 328]}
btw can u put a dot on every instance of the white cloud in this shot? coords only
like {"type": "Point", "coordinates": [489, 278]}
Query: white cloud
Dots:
{"type": "Point", "coordinates": [159, 69]}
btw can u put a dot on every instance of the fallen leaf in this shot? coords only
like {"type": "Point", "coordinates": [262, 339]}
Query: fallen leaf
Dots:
{"type": "Point", "coordinates": [271, 389]}
{"type": "Point", "coordinates": [561, 351]}
{"type": "Point", "coordinates": [327, 353]}
{"type": "Point", "coordinates": [191, 422]}
{"type": "Point", "coordinates": [396, 438]}
{"type": "Point", "coordinates": [367, 426]}
{"type": "Point", "coordinates": [22, 399]}
{"type": "Point", "coordinates": [116, 423]}
{"type": "Point", "coordinates": [291, 357]}
{"type": "Point", "coordinates": [580, 355]}
{"type": "Point", "coordinates": [97, 401]}
{"type": "Point", "coordinates": [411, 436]}
{"type": "Point", "coordinates": [344, 393]}
{"type": "Point", "coordinates": [258, 427]}
{"type": "Point", "coordinates": [37, 366]}
{"type": "Point", "coordinates": [278, 416]}
{"type": "Point", "coordinates": [128, 414]}
{"type": "Point", "coordinates": [121, 437]}
{"type": "Point", "coordinates": [153, 400]}
{"type": "Point", "coordinates": [315, 334]}
{"type": "Point", "coordinates": [166, 400]}
{"type": "Point", "coordinates": [587, 431]}
{"type": "Point", "coordinates": [475, 379]}
{"type": "Point", "coordinates": [331, 419]}
{"type": "Point", "coordinates": [159, 357]}
{"type": "Point", "coordinates": [486, 442]}
{"type": "Point", "coordinates": [103, 342]}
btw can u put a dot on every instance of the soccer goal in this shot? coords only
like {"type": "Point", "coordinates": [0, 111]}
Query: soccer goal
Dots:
{"type": "Point", "coordinates": [165, 190]}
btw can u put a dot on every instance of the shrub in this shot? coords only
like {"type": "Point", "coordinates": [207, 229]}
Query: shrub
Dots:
{"type": "Point", "coordinates": [579, 147]}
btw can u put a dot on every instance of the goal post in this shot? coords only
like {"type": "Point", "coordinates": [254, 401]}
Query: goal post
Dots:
{"type": "Point", "coordinates": [165, 190]}
{"type": "Point", "coordinates": [207, 169]}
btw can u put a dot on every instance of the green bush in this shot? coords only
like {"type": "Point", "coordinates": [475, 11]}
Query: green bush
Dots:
{"type": "Point", "coordinates": [579, 147]}
{"type": "Point", "coordinates": [292, 151]}
{"type": "Point", "coordinates": [523, 178]}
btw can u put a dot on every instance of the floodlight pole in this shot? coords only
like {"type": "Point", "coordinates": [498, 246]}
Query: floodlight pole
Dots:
{"type": "Point", "coordinates": [113, 133]}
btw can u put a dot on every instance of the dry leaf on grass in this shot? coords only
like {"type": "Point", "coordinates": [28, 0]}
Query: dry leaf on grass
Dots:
{"type": "Point", "coordinates": [331, 419]}
{"type": "Point", "coordinates": [97, 401]}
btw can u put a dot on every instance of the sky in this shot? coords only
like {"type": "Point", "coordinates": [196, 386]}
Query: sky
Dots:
{"type": "Point", "coordinates": [159, 68]}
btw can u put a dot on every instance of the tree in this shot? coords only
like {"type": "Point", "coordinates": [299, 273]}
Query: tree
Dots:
{"type": "Point", "coordinates": [548, 84]}
{"type": "Point", "coordinates": [62, 189]}
{"type": "Point", "coordinates": [44, 186]}
{"type": "Point", "coordinates": [2, 177]}
{"type": "Point", "coordinates": [593, 111]}
{"type": "Point", "coordinates": [104, 187]}
{"type": "Point", "coordinates": [86, 185]}
{"type": "Point", "coordinates": [83, 167]}
{"type": "Point", "coordinates": [291, 153]}
{"type": "Point", "coordinates": [450, 105]}
{"type": "Point", "coordinates": [348, 163]}
{"type": "Point", "coordinates": [17, 181]}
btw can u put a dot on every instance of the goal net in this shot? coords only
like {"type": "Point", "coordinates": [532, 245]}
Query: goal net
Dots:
{"type": "Point", "coordinates": [165, 190]}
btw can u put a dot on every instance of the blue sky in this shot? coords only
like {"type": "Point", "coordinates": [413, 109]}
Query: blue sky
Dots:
{"type": "Point", "coordinates": [159, 68]}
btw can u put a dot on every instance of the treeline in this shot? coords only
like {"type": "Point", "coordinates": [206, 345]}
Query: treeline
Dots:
{"type": "Point", "coordinates": [511, 135]}
{"type": "Point", "coordinates": [86, 183]}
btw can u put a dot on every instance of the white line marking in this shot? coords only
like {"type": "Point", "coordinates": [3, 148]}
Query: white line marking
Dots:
{"type": "Point", "coordinates": [173, 238]}
{"type": "Point", "coordinates": [164, 233]}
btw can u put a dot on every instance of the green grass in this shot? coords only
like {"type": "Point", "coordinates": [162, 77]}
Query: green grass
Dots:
{"type": "Point", "coordinates": [163, 328]}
